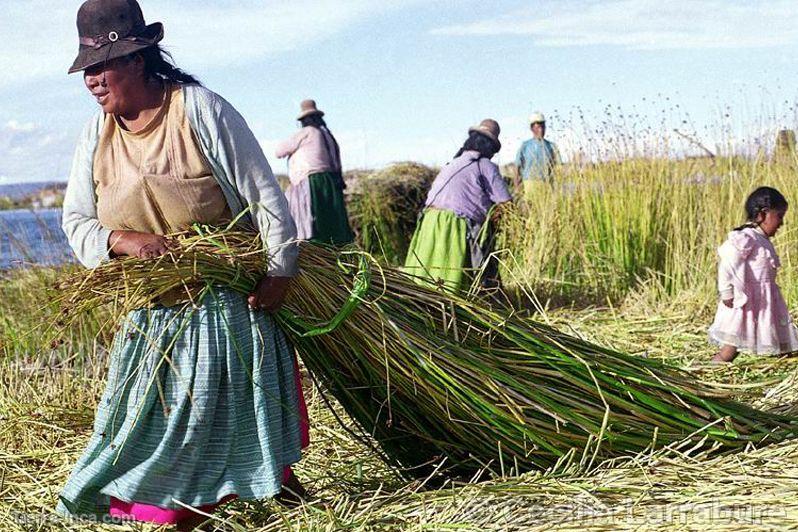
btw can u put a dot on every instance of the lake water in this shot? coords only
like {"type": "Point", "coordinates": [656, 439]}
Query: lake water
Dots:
{"type": "Point", "coordinates": [32, 238]}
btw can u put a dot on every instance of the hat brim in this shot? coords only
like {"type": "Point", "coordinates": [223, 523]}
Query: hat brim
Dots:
{"type": "Point", "coordinates": [309, 112]}
{"type": "Point", "coordinates": [88, 56]}
{"type": "Point", "coordinates": [488, 134]}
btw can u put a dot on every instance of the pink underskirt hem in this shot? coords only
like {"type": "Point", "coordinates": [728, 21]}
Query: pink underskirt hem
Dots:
{"type": "Point", "coordinates": [156, 514]}
{"type": "Point", "coordinates": [167, 516]}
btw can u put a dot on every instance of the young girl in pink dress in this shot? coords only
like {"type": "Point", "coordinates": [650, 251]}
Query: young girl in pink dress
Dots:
{"type": "Point", "coordinates": [752, 315]}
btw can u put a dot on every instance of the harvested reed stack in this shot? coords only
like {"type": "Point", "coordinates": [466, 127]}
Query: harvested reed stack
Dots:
{"type": "Point", "coordinates": [432, 375]}
{"type": "Point", "coordinates": [384, 206]}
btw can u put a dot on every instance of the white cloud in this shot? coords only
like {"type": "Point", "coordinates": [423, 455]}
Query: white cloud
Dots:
{"type": "Point", "coordinates": [13, 125]}
{"type": "Point", "coordinates": [646, 24]}
{"type": "Point", "coordinates": [40, 37]}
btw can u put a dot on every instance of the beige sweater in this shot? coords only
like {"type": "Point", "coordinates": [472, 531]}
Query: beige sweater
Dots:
{"type": "Point", "coordinates": [155, 180]}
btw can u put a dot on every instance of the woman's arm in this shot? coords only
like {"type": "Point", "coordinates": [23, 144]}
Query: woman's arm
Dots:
{"type": "Point", "coordinates": [250, 173]}
{"type": "Point", "coordinates": [493, 182]}
{"type": "Point", "coordinates": [88, 239]}
{"type": "Point", "coordinates": [92, 243]}
{"type": "Point", "coordinates": [290, 145]}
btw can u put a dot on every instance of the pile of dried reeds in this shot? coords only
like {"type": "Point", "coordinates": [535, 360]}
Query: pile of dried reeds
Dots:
{"type": "Point", "coordinates": [430, 374]}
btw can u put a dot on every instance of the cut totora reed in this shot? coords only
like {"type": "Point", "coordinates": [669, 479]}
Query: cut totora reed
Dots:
{"type": "Point", "coordinates": [432, 375]}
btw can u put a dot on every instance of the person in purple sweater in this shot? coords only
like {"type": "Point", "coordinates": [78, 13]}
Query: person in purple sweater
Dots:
{"type": "Point", "coordinates": [453, 235]}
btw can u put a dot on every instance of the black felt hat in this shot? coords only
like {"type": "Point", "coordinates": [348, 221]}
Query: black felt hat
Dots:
{"type": "Point", "coordinates": [112, 28]}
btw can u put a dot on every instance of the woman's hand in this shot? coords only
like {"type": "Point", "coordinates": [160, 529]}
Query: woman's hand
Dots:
{"type": "Point", "coordinates": [141, 245]}
{"type": "Point", "coordinates": [269, 294]}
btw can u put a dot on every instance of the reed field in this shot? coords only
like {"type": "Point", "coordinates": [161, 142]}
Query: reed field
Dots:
{"type": "Point", "coordinates": [621, 254]}
{"type": "Point", "coordinates": [602, 230]}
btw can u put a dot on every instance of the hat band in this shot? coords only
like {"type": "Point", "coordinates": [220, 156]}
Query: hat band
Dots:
{"type": "Point", "coordinates": [101, 40]}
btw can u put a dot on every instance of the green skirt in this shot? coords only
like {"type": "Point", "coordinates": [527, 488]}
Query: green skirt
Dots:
{"type": "Point", "coordinates": [330, 221]}
{"type": "Point", "coordinates": [439, 250]}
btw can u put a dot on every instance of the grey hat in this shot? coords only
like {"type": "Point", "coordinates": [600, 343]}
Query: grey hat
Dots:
{"type": "Point", "coordinates": [489, 128]}
{"type": "Point", "coordinates": [308, 107]}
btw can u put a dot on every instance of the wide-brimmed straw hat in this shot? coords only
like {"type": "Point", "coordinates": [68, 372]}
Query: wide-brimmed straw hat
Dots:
{"type": "Point", "coordinates": [109, 29]}
{"type": "Point", "coordinates": [489, 128]}
{"type": "Point", "coordinates": [308, 107]}
{"type": "Point", "coordinates": [536, 117]}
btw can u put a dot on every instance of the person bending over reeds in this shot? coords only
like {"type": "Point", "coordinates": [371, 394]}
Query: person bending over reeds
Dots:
{"type": "Point", "coordinates": [752, 315]}
{"type": "Point", "coordinates": [202, 402]}
{"type": "Point", "coordinates": [455, 231]}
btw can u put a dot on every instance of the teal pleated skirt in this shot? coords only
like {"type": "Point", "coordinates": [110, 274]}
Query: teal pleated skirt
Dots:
{"type": "Point", "coordinates": [200, 403]}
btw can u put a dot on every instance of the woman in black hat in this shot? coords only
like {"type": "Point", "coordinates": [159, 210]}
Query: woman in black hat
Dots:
{"type": "Point", "coordinates": [202, 403]}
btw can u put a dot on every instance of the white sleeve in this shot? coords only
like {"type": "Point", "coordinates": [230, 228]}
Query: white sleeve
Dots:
{"type": "Point", "coordinates": [88, 239]}
{"type": "Point", "coordinates": [731, 269]}
{"type": "Point", "coordinates": [255, 182]}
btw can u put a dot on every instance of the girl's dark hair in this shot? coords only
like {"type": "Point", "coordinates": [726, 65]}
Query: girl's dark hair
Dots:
{"type": "Point", "coordinates": [476, 141]}
{"type": "Point", "coordinates": [761, 200]}
{"type": "Point", "coordinates": [158, 64]}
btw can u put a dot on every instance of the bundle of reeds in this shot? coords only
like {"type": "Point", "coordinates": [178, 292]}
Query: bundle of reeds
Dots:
{"type": "Point", "coordinates": [429, 374]}
{"type": "Point", "coordinates": [383, 208]}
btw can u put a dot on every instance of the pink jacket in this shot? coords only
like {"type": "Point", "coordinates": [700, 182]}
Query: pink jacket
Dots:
{"type": "Point", "coordinates": [309, 153]}
{"type": "Point", "coordinates": [747, 257]}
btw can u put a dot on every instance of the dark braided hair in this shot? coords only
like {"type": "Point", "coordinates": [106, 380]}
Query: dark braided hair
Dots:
{"type": "Point", "coordinates": [158, 64]}
{"type": "Point", "coordinates": [761, 200]}
{"type": "Point", "coordinates": [477, 141]}
{"type": "Point", "coordinates": [314, 120]}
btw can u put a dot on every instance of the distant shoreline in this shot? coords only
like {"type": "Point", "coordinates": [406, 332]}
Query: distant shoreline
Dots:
{"type": "Point", "coordinates": [39, 211]}
{"type": "Point", "coordinates": [32, 196]}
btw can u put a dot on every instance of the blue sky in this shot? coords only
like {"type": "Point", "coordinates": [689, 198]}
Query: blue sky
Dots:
{"type": "Point", "coordinates": [404, 79]}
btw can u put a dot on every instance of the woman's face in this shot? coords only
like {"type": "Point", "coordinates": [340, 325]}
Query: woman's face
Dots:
{"type": "Point", "coordinates": [123, 77]}
{"type": "Point", "coordinates": [772, 220]}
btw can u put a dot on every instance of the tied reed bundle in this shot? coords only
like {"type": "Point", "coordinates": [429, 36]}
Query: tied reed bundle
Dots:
{"type": "Point", "coordinates": [432, 375]}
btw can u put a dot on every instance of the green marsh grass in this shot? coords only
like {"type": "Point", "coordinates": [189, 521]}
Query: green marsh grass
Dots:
{"type": "Point", "coordinates": [47, 415]}
{"type": "Point", "coordinates": [601, 231]}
